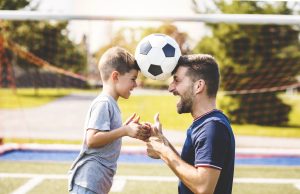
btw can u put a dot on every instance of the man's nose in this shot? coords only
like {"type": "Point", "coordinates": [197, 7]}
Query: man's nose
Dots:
{"type": "Point", "coordinates": [171, 87]}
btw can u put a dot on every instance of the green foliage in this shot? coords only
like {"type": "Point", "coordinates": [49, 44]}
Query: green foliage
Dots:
{"type": "Point", "coordinates": [254, 57]}
{"type": "Point", "coordinates": [47, 40]}
{"type": "Point", "coordinates": [13, 4]}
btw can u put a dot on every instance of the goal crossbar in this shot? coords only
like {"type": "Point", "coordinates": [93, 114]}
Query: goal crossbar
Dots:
{"type": "Point", "coordinates": [207, 18]}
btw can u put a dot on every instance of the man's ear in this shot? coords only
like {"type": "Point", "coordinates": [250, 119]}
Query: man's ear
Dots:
{"type": "Point", "coordinates": [199, 86]}
{"type": "Point", "coordinates": [115, 75]}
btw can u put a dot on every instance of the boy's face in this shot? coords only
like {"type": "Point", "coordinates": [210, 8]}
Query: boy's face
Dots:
{"type": "Point", "coordinates": [126, 83]}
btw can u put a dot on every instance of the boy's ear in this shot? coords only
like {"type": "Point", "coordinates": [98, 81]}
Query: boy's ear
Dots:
{"type": "Point", "coordinates": [115, 75]}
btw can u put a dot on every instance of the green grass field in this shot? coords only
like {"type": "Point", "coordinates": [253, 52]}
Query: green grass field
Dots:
{"type": "Point", "coordinates": [146, 106]}
{"type": "Point", "coordinates": [59, 186]}
{"type": "Point", "coordinates": [26, 98]}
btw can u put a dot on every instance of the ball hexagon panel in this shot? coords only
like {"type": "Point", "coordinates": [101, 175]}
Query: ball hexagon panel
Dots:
{"type": "Point", "coordinates": [144, 63]}
{"type": "Point", "coordinates": [156, 56]}
{"type": "Point", "coordinates": [167, 64]}
{"type": "Point", "coordinates": [157, 40]}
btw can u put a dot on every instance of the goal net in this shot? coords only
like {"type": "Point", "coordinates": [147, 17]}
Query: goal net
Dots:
{"type": "Point", "coordinates": [259, 58]}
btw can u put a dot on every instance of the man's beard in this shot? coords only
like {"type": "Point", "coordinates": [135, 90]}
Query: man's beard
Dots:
{"type": "Point", "coordinates": [186, 102]}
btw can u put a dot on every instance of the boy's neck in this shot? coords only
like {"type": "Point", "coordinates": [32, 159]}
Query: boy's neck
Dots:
{"type": "Point", "coordinates": [110, 91]}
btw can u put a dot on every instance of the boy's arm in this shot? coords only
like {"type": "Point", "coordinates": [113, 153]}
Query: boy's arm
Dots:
{"type": "Point", "coordinates": [97, 138]}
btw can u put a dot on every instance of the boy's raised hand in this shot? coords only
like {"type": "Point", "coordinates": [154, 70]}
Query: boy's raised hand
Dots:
{"type": "Point", "coordinates": [135, 129]}
{"type": "Point", "coordinates": [132, 119]}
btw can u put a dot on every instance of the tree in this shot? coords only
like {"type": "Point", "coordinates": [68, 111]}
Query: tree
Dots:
{"type": "Point", "coordinates": [46, 40]}
{"type": "Point", "coordinates": [255, 57]}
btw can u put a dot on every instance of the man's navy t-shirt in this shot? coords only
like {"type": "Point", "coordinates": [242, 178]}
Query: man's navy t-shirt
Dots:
{"type": "Point", "coordinates": [210, 143]}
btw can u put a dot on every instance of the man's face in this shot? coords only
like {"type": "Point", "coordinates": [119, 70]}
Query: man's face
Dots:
{"type": "Point", "coordinates": [183, 87]}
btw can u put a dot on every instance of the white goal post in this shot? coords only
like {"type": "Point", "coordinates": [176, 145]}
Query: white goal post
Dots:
{"type": "Point", "coordinates": [208, 18]}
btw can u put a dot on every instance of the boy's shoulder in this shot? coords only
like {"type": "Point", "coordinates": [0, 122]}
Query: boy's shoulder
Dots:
{"type": "Point", "coordinates": [100, 99]}
{"type": "Point", "coordinates": [104, 99]}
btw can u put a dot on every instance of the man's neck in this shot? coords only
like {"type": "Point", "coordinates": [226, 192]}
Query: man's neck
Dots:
{"type": "Point", "coordinates": [202, 107]}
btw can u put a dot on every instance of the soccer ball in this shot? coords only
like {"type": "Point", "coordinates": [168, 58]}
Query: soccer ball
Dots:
{"type": "Point", "coordinates": [157, 56]}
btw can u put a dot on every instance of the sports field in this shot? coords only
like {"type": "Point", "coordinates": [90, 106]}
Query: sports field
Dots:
{"type": "Point", "coordinates": [51, 178]}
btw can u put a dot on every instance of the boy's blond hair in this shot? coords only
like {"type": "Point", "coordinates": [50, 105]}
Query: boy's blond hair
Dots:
{"type": "Point", "coordinates": [116, 59]}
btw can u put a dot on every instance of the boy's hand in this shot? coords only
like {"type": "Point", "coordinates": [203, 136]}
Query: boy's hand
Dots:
{"type": "Point", "coordinates": [131, 119]}
{"type": "Point", "coordinates": [135, 129]}
{"type": "Point", "coordinates": [145, 132]}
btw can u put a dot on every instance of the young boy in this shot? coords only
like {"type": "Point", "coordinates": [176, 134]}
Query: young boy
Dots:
{"type": "Point", "coordinates": [93, 170]}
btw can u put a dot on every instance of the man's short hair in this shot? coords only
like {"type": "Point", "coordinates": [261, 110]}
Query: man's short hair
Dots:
{"type": "Point", "coordinates": [116, 59]}
{"type": "Point", "coordinates": [202, 66]}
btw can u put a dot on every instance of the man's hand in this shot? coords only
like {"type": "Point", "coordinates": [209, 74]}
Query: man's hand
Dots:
{"type": "Point", "coordinates": [156, 136]}
{"type": "Point", "coordinates": [157, 124]}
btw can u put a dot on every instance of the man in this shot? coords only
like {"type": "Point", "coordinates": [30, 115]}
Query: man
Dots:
{"type": "Point", "coordinates": [206, 164]}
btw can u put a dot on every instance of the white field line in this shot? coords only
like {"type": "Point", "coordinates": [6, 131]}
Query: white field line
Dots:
{"type": "Point", "coordinates": [120, 181]}
{"type": "Point", "coordinates": [118, 185]}
{"type": "Point", "coordinates": [297, 186]}
{"type": "Point", "coordinates": [155, 178]}
{"type": "Point", "coordinates": [28, 185]}
{"type": "Point", "coordinates": [266, 181]}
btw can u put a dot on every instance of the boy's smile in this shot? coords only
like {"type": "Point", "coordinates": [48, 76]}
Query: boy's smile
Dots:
{"type": "Point", "coordinates": [126, 83]}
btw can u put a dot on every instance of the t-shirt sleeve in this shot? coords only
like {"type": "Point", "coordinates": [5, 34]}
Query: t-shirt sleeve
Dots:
{"type": "Point", "coordinates": [211, 144]}
{"type": "Point", "coordinates": [99, 116]}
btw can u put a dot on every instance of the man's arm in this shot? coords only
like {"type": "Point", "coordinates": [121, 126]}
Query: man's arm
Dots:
{"type": "Point", "coordinates": [156, 130]}
{"type": "Point", "coordinates": [199, 180]}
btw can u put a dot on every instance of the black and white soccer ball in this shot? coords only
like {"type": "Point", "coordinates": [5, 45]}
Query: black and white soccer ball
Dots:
{"type": "Point", "coordinates": [157, 56]}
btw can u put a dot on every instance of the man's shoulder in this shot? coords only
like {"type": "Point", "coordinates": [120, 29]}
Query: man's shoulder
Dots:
{"type": "Point", "coordinates": [215, 123]}
{"type": "Point", "coordinates": [212, 120]}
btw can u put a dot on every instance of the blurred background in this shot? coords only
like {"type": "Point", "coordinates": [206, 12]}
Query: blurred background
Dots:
{"type": "Point", "coordinates": [49, 75]}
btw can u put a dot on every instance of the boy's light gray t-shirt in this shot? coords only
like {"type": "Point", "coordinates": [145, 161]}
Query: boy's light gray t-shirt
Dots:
{"type": "Point", "coordinates": [94, 168]}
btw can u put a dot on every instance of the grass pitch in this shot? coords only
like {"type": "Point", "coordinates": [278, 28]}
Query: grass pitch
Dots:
{"type": "Point", "coordinates": [59, 186]}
